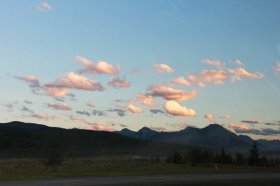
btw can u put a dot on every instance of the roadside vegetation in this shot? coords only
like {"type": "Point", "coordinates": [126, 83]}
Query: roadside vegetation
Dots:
{"type": "Point", "coordinates": [195, 161]}
{"type": "Point", "coordinates": [112, 166]}
{"type": "Point", "coordinates": [205, 158]}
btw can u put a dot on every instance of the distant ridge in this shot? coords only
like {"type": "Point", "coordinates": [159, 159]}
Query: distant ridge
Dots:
{"type": "Point", "coordinates": [23, 125]}
{"type": "Point", "coordinates": [213, 136]}
{"type": "Point", "coordinates": [21, 140]}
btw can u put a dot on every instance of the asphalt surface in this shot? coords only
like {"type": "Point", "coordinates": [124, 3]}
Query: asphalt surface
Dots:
{"type": "Point", "coordinates": [188, 178]}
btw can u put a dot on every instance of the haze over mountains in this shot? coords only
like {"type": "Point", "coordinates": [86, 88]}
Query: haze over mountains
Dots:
{"type": "Point", "coordinates": [18, 139]}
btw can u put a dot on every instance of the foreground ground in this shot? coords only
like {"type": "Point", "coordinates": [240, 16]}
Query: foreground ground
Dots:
{"type": "Point", "coordinates": [191, 179]}
{"type": "Point", "coordinates": [26, 169]}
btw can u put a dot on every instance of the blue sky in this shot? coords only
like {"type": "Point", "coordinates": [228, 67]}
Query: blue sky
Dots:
{"type": "Point", "coordinates": [227, 53]}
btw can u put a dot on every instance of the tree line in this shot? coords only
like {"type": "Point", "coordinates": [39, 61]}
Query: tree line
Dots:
{"type": "Point", "coordinates": [203, 157]}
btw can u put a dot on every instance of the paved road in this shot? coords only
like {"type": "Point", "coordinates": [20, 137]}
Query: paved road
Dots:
{"type": "Point", "coordinates": [189, 178]}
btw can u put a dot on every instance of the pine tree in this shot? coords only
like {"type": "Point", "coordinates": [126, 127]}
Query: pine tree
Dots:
{"type": "Point", "coordinates": [254, 158]}
{"type": "Point", "coordinates": [239, 159]}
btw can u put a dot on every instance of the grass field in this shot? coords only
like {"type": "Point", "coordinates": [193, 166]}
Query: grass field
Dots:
{"type": "Point", "coordinates": [11, 169]}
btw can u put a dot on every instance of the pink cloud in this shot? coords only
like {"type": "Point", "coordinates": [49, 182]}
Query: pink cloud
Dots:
{"type": "Point", "coordinates": [215, 63]}
{"type": "Point", "coordinates": [75, 81]}
{"type": "Point", "coordinates": [209, 117]}
{"type": "Point", "coordinates": [209, 76]}
{"type": "Point", "coordinates": [55, 91]}
{"type": "Point", "coordinates": [245, 129]}
{"type": "Point", "coordinates": [144, 99]}
{"type": "Point", "coordinates": [31, 80]}
{"type": "Point", "coordinates": [240, 127]}
{"type": "Point", "coordinates": [200, 84]}
{"type": "Point", "coordinates": [241, 73]}
{"type": "Point", "coordinates": [102, 67]}
{"type": "Point", "coordinates": [272, 138]}
{"type": "Point", "coordinates": [194, 80]}
{"type": "Point", "coordinates": [72, 81]}
{"type": "Point", "coordinates": [175, 109]}
{"type": "Point", "coordinates": [181, 81]}
{"type": "Point", "coordinates": [171, 94]}
{"type": "Point", "coordinates": [118, 82]}
{"type": "Point", "coordinates": [99, 127]}
{"type": "Point", "coordinates": [134, 109]}
{"type": "Point", "coordinates": [219, 76]}
{"type": "Point", "coordinates": [163, 68]}
{"type": "Point", "coordinates": [45, 6]}
{"type": "Point", "coordinates": [77, 119]}
{"type": "Point", "coordinates": [277, 68]}
{"type": "Point", "coordinates": [91, 126]}
{"type": "Point", "coordinates": [60, 106]}
{"type": "Point", "coordinates": [90, 105]}
{"type": "Point", "coordinates": [41, 116]}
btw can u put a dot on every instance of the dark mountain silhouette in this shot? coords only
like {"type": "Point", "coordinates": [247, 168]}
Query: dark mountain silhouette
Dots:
{"type": "Point", "coordinates": [271, 145]}
{"type": "Point", "coordinates": [19, 140]}
{"type": "Point", "coordinates": [213, 136]}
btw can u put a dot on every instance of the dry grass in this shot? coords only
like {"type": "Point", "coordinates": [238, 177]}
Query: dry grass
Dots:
{"type": "Point", "coordinates": [78, 167]}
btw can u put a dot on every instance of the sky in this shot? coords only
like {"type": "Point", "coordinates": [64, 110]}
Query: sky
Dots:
{"type": "Point", "coordinates": [163, 64]}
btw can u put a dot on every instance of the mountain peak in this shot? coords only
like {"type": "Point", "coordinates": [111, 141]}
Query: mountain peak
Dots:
{"type": "Point", "coordinates": [215, 127]}
{"type": "Point", "coordinates": [146, 130]}
{"type": "Point", "coordinates": [126, 130]}
{"type": "Point", "coordinates": [189, 129]}
{"type": "Point", "coordinates": [22, 125]}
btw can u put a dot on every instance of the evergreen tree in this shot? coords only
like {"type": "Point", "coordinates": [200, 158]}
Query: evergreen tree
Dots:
{"type": "Point", "coordinates": [240, 159]}
{"type": "Point", "coordinates": [177, 158]}
{"type": "Point", "coordinates": [254, 159]}
{"type": "Point", "coordinates": [264, 161]}
{"type": "Point", "coordinates": [222, 156]}
{"type": "Point", "coordinates": [195, 156]}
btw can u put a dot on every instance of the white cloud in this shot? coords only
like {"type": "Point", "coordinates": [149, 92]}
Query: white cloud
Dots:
{"type": "Point", "coordinates": [175, 109]}
{"type": "Point", "coordinates": [44, 6]}
{"type": "Point", "coordinates": [163, 68]}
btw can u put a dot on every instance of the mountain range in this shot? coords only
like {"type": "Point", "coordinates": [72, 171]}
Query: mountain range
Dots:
{"type": "Point", "coordinates": [19, 140]}
{"type": "Point", "coordinates": [24, 140]}
{"type": "Point", "coordinates": [213, 136]}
